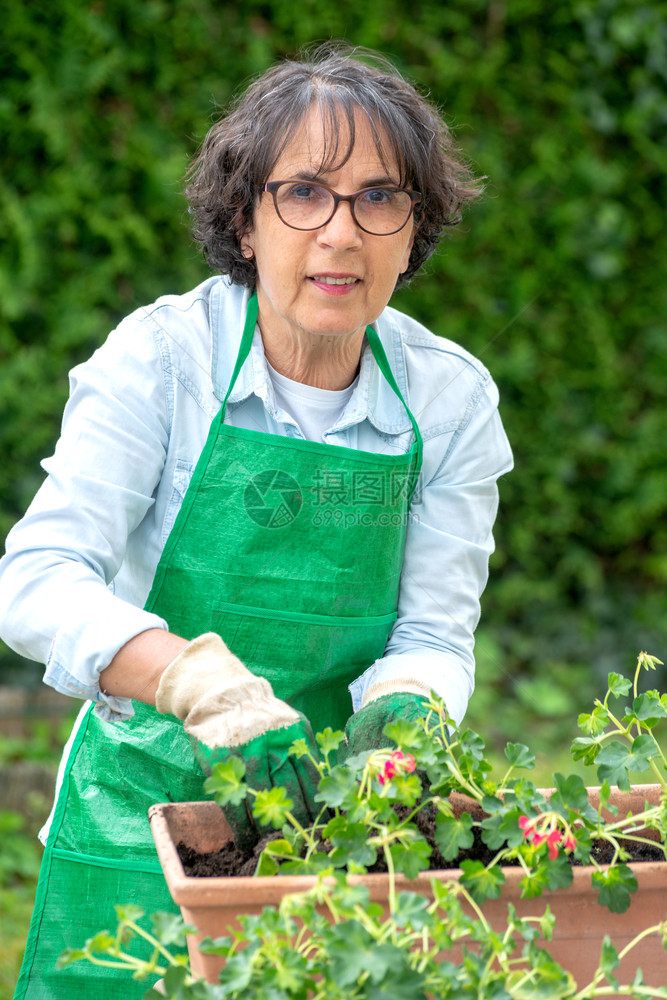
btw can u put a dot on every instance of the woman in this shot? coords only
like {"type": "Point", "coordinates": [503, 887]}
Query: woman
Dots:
{"type": "Point", "coordinates": [270, 509]}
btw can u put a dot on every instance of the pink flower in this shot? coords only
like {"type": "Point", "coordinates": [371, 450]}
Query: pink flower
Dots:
{"type": "Point", "coordinates": [529, 831]}
{"type": "Point", "coordinates": [398, 763]}
{"type": "Point", "coordinates": [553, 840]}
{"type": "Point", "coordinates": [550, 834]}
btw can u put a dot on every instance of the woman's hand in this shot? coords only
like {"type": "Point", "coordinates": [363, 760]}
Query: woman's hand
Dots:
{"type": "Point", "coordinates": [229, 711]}
{"type": "Point", "coordinates": [363, 731]}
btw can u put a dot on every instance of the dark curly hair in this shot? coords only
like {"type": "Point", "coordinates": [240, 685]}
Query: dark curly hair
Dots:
{"type": "Point", "coordinates": [240, 151]}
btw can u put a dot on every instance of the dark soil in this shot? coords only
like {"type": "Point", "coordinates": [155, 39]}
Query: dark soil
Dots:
{"type": "Point", "coordinates": [229, 860]}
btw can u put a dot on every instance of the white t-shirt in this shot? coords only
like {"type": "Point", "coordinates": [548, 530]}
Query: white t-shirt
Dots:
{"type": "Point", "coordinates": [315, 410]}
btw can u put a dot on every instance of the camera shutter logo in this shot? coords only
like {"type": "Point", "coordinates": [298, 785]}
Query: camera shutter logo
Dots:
{"type": "Point", "coordinates": [272, 498]}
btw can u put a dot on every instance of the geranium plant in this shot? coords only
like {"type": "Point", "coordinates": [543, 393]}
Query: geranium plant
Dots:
{"type": "Point", "coordinates": [393, 810]}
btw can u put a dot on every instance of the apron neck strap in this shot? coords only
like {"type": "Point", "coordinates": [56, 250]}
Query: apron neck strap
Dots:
{"type": "Point", "coordinates": [246, 343]}
{"type": "Point", "coordinates": [375, 345]}
{"type": "Point", "coordinates": [384, 366]}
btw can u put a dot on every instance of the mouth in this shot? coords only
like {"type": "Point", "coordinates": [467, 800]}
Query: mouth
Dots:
{"type": "Point", "coordinates": [331, 279]}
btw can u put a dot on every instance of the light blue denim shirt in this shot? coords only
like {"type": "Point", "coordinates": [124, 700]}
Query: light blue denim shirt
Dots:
{"type": "Point", "coordinates": [80, 564]}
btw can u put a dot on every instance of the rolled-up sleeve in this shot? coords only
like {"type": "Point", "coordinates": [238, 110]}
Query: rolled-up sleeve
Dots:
{"type": "Point", "coordinates": [57, 604]}
{"type": "Point", "coordinates": [445, 569]}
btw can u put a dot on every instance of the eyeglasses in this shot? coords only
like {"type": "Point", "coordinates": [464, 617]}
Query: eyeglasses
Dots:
{"type": "Point", "coordinates": [379, 211]}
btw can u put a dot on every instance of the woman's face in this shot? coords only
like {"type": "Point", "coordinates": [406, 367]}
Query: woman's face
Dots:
{"type": "Point", "coordinates": [293, 298]}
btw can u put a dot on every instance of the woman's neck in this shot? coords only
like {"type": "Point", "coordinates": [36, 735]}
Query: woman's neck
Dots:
{"type": "Point", "coordinates": [320, 361]}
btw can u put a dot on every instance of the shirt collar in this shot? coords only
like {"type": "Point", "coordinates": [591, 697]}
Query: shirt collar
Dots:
{"type": "Point", "coordinates": [373, 398]}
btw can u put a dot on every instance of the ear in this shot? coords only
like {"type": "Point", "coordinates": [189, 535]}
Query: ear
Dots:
{"type": "Point", "coordinates": [246, 242]}
{"type": "Point", "coordinates": [245, 235]}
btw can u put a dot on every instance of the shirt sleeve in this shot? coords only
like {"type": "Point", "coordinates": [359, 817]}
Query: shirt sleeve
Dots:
{"type": "Point", "coordinates": [57, 604]}
{"type": "Point", "coordinates": [445, 568]}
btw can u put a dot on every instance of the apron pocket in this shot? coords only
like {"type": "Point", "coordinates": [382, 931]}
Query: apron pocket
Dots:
{"type": "Point", "coordinates": [307, 658]}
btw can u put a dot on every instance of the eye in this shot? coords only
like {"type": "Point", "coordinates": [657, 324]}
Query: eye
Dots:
{"type": "Point", "coordinates": [303, 192]}
{"type": "Point", "coordinates": [379, 197]}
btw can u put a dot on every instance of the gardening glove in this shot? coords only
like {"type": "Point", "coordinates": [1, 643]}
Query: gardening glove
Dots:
{"type": "Point", "coordinates": [229, 711]}
{"type": "Point", "coordinates": [383, 702]}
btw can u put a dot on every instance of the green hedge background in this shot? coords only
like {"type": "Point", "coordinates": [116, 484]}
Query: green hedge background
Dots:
{"type": "Point", "coordinates": [556, 279]}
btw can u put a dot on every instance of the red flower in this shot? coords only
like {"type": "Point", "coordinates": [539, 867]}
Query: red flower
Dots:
{"type": "Point", "coordinates": [398, 763]}
{"type": "Point", "coordinates": [551, 836]}
{"type": "Point", "coordinates": [553, 840]}
{"type": "Point", "coordinates": [569, 843]}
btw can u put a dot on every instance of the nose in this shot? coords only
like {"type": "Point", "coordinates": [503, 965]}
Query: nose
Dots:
{"type": "Point", "coordinates": [341, 231]}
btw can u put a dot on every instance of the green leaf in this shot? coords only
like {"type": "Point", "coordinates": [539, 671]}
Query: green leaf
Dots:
{"type": "Point", "coordinates": [174, 980]}
{"type": "Point", "coordinates": [267, 864]}
{"type": "Point", "coordinates": [404, 788]}
{"type": "Point", "coordinates": [585, 748]}
{"type": "Point", "coordinates": [519, 755]}
{"type": "Point", "coordinates": [534, 883]}
{"type": "Point", "coordinates": [648, 708]}
{"type": "Point", "coordinates": [410, 735]}
{"type": "Point", "coordinates": [492, 803]}
{"type": "Point", "coordinates": [70, 955]}
{"type": "Point", "coordinates": [226, 782]}
{"type": "Point", "coordinates": [291, 972]}
{"type": "Point", "coordinates": [349, 896]}
{"type": "Point", "coordinates": [411, 859]}
{"type": "Point", "coordinates": [595, 722]}
{"type": "Point", "coordinates": [548, 980]}
{"type": "Point", "coordinates": [216, 946]}
{"type": "Point", "coordinates": [481, 883]}
{"type": "Point", "coordinates": [618, 685]}
{"type": "Point", "coordinates": [129, 912]}
{"type": "Point", "coordinates": [354, 953]}
{"type": "Point", "coordinates": [406, 984]}
{"type": "Point", "coordinates": [616, 759]}
{"type": "Point", "coordinates": [502, 828]}
{"type": "Point", "coordinates": [350, 842]}
{"type": "Point", "coordinates": [337, 788]}
{"type": "Point", "coordinates": [170, 928]}
{"type": "Point", "coordinates": [582, 851]}
{"type": "Point", "coordinates": [405, 733]}
{"type": "Point", "coordinates": [614, 887]}
{"type": "Point", "coordinates": [237, 972]}
{"type": "Point", "coordinates": [559, 872]}
{"type": "Point", "coordinates": [453, 835]}
{"type": "Point", "coordinates": [271, 806]}
{"type": "Point", "coordinates": [570, 794]}
{"type": "Point", "coordinates": [300, 748]}
{"type": "Point", "coordinates": [605, 795]}
{"type": "Point", "coordinates": [547, 924]}
{"type": "Point", "coordinates": [411, 911]}
{"type": "Point", "coordinates": [329, 740]}
{"type": "Point", "coordinates": [313, 864]}
{"type": "Point", "coordinates": [609, 961]}
{"type": "Point", "coordinates": [472, 746]}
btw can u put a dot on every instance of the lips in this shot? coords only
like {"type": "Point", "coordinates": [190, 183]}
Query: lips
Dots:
{"type": "Point", "coordinates": [330, 279]}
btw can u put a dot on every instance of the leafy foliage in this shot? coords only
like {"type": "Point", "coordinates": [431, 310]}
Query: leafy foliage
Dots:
{"type": "Point", "coordinates": [516, 821]}
{"type": "Point", "coordinates": [332, 942]}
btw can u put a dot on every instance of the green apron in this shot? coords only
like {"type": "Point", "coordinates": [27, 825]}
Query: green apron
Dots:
{"type": "Point", "coordinates": [290, 550]}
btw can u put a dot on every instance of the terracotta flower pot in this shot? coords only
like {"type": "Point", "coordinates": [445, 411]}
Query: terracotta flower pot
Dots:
{"type": "Point", "coordinates": [213, 904]}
